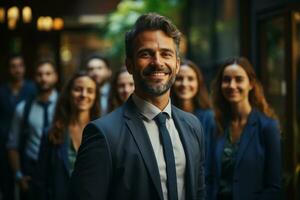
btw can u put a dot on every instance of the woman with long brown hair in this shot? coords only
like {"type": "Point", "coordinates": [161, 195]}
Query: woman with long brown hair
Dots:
{"type": "Point", "coordinates": [190, 94]}
{"type": "Point", "coordinates": [76, 106]}
{"type": "Point", "coordinates": [247, 151]}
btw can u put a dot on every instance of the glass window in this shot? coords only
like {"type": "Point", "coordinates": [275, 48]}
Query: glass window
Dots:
{"type": "Point", "coordinates": [272, 65]}
{"type": "Point", "coordinates": [213, 33]}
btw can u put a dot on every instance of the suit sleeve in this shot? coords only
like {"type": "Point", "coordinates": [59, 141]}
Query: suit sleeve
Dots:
{"type": "Point", "coordinates": [92, 173]}
{"type": "Point", "coordinates": [201, 176]}
{"type": "Point", "coordinates": [272, 177]}
{"type": "Point", "coordinates": [209, 128]}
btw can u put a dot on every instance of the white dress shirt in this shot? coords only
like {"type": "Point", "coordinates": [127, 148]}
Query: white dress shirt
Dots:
{"type": "Point", "coordinates": [148, 112]}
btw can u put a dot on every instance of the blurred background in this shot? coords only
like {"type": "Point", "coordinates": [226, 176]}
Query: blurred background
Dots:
{"type": "Point", "coordinates": [265, 31]}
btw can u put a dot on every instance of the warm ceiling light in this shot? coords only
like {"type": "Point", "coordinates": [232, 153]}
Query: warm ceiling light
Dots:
{"type": "Point", "coordinates": [27, 14]}
{"type": "Point", "coordinates": [45, 23]}
{"type": "Point", "coordinates": [58, 23]}
{"type": "Point", "coordinates": [2, 15]}
{"type": "Point", "coordinates": [12, 24]}
{"type": "Point", "coordinates": [48, 23]}
{"type": "Point", "coordinates": [13, 13]}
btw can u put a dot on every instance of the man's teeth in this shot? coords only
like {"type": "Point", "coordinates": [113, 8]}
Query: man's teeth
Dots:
{"type": "Point", "coordinates": [157, 74]}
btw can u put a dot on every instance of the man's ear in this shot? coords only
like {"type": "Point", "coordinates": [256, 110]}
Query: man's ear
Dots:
{"type": "Point", "coordinates": [129, 66]}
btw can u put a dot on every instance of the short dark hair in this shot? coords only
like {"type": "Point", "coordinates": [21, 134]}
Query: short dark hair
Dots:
{"type": "Point", "coordinates": [14, 56]}
{"type": "Point", "coordinates": [97, 56]}
{"type": "Point", "coordinates": [45, 61]}
{"type": "Point", "coordinates": [151, 21]}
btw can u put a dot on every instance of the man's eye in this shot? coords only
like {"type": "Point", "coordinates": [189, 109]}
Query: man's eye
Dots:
{"type": "Point", "coordinates": [167, 54]}
{"type": "Point", "coordinates": [144, 54]}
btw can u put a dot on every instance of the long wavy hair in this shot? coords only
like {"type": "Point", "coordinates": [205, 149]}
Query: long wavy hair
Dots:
{"type": "Point", "coordinates": [66, 113]}
{"type": "Point", "coordinates": [256, 97]}
{"type": "Point", "coordinates": [114, 98]}
{"type": "Point", "coordinates": [201, 98]}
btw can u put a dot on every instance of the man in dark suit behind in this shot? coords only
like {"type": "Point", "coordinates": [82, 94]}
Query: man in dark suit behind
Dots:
{"type": "Point", "coordinates": [125, 155]}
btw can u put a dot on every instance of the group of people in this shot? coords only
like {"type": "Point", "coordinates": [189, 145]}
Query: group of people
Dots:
{"type": "Point", "coordinates": [123, 139]}
{"type": "Point", "coordinates": [38, 122]}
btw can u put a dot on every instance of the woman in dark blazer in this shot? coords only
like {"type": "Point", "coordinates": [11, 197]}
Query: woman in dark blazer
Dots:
{"type": "Point", "coordinates": [76, 106]}
{"type": "Point", "coordinates": [247, 150]}
{"type": "Point", "coordinates": [189, 93]}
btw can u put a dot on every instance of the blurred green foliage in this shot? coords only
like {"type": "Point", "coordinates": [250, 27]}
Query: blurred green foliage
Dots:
{"type": "Point", "coordinates": [125, 15]}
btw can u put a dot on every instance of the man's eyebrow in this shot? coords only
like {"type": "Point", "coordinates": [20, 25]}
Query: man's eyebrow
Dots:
{"type": "Point", "coordinates": [167, 50]}
{"type": "Point", "coordinates": [144, 49]}
{"type": "Point", "coordinates": [151, 50]}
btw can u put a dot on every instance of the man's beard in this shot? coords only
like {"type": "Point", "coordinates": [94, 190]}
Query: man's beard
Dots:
{"type": "Point", "coordinates": [45, 89]}
{"type": "Point", "coordinates": [154, 90]}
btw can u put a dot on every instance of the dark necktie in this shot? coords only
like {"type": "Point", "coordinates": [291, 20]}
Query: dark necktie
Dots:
{"type": "Point", "coordinates": [45, 106]}
{"type": "Point", "coordinates": [165, 139]}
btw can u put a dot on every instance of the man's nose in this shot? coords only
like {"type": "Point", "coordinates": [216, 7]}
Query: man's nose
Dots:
{"type": "Point", "coordinates": [156, 59]}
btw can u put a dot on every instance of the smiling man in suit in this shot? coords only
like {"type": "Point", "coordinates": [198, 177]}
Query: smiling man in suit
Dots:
{"type": "Point", "coordinates": [146, 149]}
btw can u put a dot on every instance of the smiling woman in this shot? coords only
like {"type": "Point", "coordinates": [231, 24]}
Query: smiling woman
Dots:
{"type": "Point", "coordinates": [247, 151]}
{"type": "Point", "coordinates": [77, 105]}
{"type": "Point", "coordinates": [189, 93]}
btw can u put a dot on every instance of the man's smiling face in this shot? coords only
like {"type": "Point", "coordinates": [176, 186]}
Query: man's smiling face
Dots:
{"type": "Point", "coordinates": [154, 64]}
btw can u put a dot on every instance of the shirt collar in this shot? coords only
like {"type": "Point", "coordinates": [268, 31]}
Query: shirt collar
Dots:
{"type": "Point", "coordinates": [104, 90]}
{"type": "Point", "coordinates": [53, 97]}
{"type": "Point", "coordinates": [148, 110]}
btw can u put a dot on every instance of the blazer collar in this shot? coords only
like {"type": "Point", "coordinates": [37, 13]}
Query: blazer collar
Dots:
{"type": "Point", "coordinates": [140, 135]}
{"type": "Point", "coordinates": [62, 150]}
{"type": "Point", "coordinates": [63, 154]}
{"type": "Point", "coordinates": [247, 135]}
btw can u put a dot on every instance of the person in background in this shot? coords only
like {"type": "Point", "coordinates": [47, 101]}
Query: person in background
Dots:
{"type": "Point", "coordinates": [76, 106]}
{"type": "Point", "coordinates": [189, 93]}
{"type": "Point", "coordinates": [122, 86]}
{"type": "Point", "coordinates": [98, 67]}
{"type": "Point", "coordinates": [31, 120]}
{"type": "Point", "coordinates": [146, 149]}
{"type": "Point", "coordinates": [247, 152]}
{"type": "Point", "coordinates": [12, 92]}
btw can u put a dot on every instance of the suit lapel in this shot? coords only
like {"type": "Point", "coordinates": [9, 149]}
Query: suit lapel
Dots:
{"type": "Point", "coordinates": [183, 127]}
{"type": "Point", "coordinates": [140, 135]}
{"type": "Point", "coordinates": [63, 154]}
{"type": "Point", "coordinates": [219, 152]}
{"type": "Point", "coordinates": [246, 137]}
{"type": "Point", "coordinates": [63, 151]}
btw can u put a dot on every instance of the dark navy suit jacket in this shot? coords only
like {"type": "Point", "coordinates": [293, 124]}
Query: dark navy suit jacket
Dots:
{"type": "Point", "coordinates": [257, 172]}
{"type": "Point", "coordinates": [116, 159]}
{"type": "Point", "coordinates": [52, 176]}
